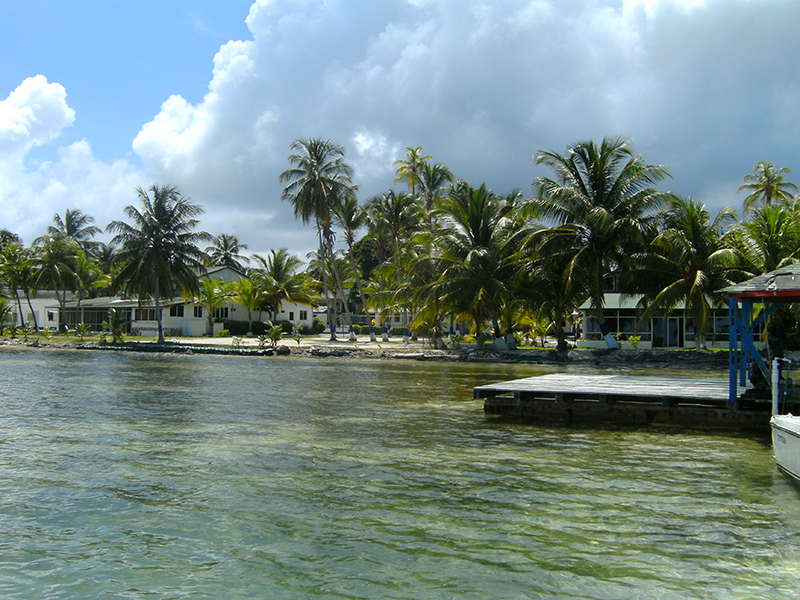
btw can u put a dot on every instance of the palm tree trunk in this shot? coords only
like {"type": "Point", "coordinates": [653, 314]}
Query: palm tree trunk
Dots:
{"type": "Point", "coordinates": [338, 277]}
{"type": "Point", "coordinates": [331, 312]}
{"type": "Point", "coordinates": [158, 312]}
{"type": "Point", "coordinates": [33, 312]}
{"type": "Point", "coordinates": [372, 337]}
{"type": "Point", "coordinates": [609, 338]}
{"type": "Point", "coordinates": [19, 305]}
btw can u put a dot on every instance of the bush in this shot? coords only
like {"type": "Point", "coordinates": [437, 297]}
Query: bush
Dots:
{"type": "Point", "coordinates": [286, 326]}
{"type": "Point", "coordinates": [397, 331]}
{"type": "Point", "coordinates": [242, 327]}
{"type": "Point", "coordinates": [318, 326]}
{"type": "Point", "coordinates": [223, 333]}
{"type": "Point", "coordinates": [361, 329]}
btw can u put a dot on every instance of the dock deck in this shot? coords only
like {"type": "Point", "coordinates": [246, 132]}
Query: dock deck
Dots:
{"type": "Point", "coordinates": [622, 398]}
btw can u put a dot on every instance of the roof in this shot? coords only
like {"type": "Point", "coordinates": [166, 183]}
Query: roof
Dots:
{"type": "Point", "coordinates": [780, 285]}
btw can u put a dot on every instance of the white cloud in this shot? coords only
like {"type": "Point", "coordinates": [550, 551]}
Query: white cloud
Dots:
{"type": "Point", "coordinates": [33, 114]}
{"type": "Point", "coordinates": [708, 87]}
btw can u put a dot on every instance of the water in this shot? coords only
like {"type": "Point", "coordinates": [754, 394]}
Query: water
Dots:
{"type": "Point", "coordinates": [141, 476]}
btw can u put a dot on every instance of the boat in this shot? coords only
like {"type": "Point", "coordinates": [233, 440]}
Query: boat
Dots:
{"type": "Point", "coordinates": [786, 444]}
{"type": "Point", "coordinates": [785, 428]}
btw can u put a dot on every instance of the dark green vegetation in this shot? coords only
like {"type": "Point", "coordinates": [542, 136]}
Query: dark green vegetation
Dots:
{"type": "Point", "coordinates": [440, 249]}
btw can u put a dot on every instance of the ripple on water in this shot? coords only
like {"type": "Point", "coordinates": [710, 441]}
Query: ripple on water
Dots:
{"type": "Point", "coordinates": [216, 477]}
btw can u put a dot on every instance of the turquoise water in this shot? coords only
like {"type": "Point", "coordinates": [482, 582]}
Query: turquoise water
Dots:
{"type": "Point", "coordinates": [142, 476]}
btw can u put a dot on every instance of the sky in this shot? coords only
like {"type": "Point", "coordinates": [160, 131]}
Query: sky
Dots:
{"type": "Point", "coordinates": [98, 97]}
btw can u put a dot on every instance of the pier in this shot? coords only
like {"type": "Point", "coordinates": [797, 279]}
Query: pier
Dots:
{"type": "Point", "coordinates": [625, 399]}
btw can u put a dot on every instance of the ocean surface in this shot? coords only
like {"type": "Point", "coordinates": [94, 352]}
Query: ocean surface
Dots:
{"type": "Point", "coordinates": [214, 477]}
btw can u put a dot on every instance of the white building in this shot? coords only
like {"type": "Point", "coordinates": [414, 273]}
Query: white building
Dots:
{"type": "Point", "coordinates": [179, 316]}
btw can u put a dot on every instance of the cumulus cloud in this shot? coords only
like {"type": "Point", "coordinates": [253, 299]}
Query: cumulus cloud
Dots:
{"type": "Point", "coordinates": [35, 114]}
{"type": "Point", "coordinates": [708, 87]}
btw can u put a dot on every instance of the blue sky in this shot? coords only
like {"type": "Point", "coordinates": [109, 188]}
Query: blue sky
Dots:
{"type": "Point", "coordinates": [99, 97]}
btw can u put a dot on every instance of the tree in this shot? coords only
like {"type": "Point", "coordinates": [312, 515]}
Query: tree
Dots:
{"type": "Point", "coordinates": [16, 266]}
{"type": "Point", "coordinates": [686, 263]}
{"type": "Point", "coordinates": [409, 168]}
{"type": "Point", "coordinates": [474, 248]}
{"type": "Point", "coordinates": [766, 184]}
{"type": "Point", "coordinates": [391, 217]}
{"type": "Point", "coordinates": [434, 181]}
{"type": "Point", "coordinates": [602, 202]}
{"type": "Point", "coordinates": [225, 252]}
{"type": "Point", "coordinates": [351, 217]}
{"type": "Point", "coordinates": [54, 266]}
{"type": "Point", "coordinates": [75, 226]}
{"type": "Point", "coordinates": [158, 250]}
{"type": "Point", "coordinates": [279, 280]}
{"type": "Point", "coordinates": [88, 278]}
{"type": "Point", "coordinates": [317, 178]}
{"type": "Point", "coordinates": [246, 292]}
{"type": "Point", "coordinates": [213, 295]}
{"type": "Point", "coordinates": [768, 240]}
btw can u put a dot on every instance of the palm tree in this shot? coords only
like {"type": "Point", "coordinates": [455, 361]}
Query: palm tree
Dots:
{"type": "Point", "coordinates": [686, 263]}
{"type": "Point", "coordinates": [766, 184]}
{"type": "Point", "coordinates": [246, 292]}
{"type": "Point", "coordinates": [13, 261]}
{"type": "Point", "coordinates": [434, 181]}
{"type": "Point", "coordinates": [213, 295]}
{"type": "Point", "coordinates": [8, 237]}
{"type": "Point", "coordinates": [409, 168]}
{"type": "Point", "coordinates": [55, 256]}
{"type": "Point", "coordinates": [768, 240]}
{"type": "Point", "coordinates": [225, 252]}
{"type": "Point", "coordinates": [351, 217]}
{"type": "Point", "coordinates": [75, 226]}
{"type": "Point", "coordinates": [474, 248]}
{"type": "Point", "coordinates": [318, 177]}
{"type": "Point", "coordinates": [158, 249]}
{"type": "Point", "coordinates": [279, 280]}
{"type": "Point", "coordinates": [391, 217]}
{"type": "Point", "coordinates": [602, 202]}
{"type": "Point", "coordinates": [88, 278]}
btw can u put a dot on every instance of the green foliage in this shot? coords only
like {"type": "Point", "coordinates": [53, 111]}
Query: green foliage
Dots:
{"type": "Point", "coordinates": [82, 329]}
{"type": "Point", "coordinates": [223, 333]}
{"type": "Point", "coordinates": [243, 327]}
{"type": "Point", "coordinates": [116, 325]}
{"type": "Point", "coordinates": [26, 329]}
{"type": "Point", "coordinates": [318, 326]}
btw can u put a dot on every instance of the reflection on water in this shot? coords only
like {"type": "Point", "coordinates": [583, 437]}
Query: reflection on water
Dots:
{"type": "Point", "coordinates": [134, 476]}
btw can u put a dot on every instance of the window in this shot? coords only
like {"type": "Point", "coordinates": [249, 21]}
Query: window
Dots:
{"type": "Point", "coordinates": [303, 315]}
{"type": "Point", "coordinates": [51, 315]}
{"type": "Point", "coordinates": [145, 314]}
{"type": "Point", "coordinates": [198, 312]}
{"type": "Point", "coordinates": [176, 310]}
{"type": "Point", "coordinates": [291, 315]}
{"type": "Point", "coordinates": [221, 313]}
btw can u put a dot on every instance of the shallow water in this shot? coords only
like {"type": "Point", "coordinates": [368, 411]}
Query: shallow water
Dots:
{"type": "Point", "coordinates": [164, 476]}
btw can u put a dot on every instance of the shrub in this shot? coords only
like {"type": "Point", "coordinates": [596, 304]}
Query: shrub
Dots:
{"type": "Point", "coordinates": [223, 333]}
{"type": "Point", "coordinates": [318, 326]}
{"type": "Point", "coordinates": [397, 330]}
{"type": "Point", "coordinates": [287, 327]}
{"type": "Point", "coordinates": [242, 327]}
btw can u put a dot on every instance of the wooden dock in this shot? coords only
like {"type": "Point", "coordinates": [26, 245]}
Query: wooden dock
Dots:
{"type": "Point", "coordinates": [623, 399]}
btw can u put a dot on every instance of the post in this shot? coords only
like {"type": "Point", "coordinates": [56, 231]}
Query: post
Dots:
{"type": "Point", "coordinates": [776, 380]}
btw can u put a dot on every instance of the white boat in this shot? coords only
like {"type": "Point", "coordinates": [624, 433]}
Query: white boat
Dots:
{"type": "Point", "coordinates": [785, 429]}
{"type": "Point", "coordinates": [786, 444]}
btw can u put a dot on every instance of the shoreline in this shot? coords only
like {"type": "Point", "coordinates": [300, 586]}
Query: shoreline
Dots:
{"type": "Point", "coordinates": [318, 347]}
